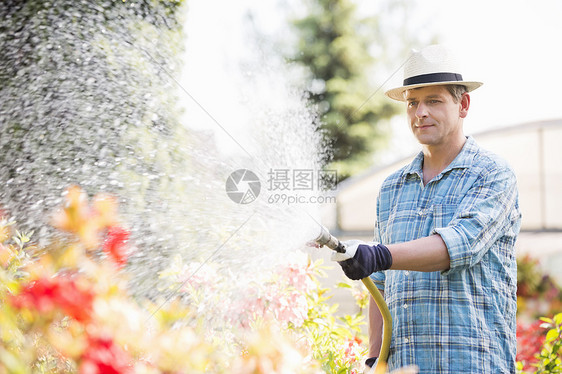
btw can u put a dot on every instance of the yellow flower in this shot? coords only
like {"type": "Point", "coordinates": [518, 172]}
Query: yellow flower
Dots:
{"type": "Point", "coordinates": [87, 222]}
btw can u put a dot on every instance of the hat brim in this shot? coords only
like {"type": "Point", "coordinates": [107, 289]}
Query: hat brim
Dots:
{"type": "Point", "coordinates": [398, 92]}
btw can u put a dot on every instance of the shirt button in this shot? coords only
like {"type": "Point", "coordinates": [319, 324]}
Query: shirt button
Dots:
{"type": "Point", "coordinates": [420, 212]}
{"type": "Point", "coordinates": [406, 340]}
{"type": "Point", "coordinates": [405, 306]}
{"type": "Point", "coordinates": [406, 273]}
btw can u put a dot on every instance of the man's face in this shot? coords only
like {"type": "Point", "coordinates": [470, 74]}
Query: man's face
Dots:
{"type": "Point", "coordinates": [435, 119]}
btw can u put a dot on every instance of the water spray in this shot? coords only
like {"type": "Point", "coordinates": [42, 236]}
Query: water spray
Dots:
{"type": "Point", "coordinates": [330, 241]}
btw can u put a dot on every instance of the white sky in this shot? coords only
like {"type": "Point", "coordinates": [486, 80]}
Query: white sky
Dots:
{"type": "Point", "coordinates": [513, 46]}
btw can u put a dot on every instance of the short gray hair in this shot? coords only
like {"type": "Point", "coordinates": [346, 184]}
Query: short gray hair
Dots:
{"type": "Point", "coordinates": [456, 91]}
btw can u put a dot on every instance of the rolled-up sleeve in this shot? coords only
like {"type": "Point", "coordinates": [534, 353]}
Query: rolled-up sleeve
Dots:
{"type": "Point", "coordinates": [483, 216]}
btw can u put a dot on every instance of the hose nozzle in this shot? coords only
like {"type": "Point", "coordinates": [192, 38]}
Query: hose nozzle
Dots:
{"type": "Point", "coordinates": [330, 241]}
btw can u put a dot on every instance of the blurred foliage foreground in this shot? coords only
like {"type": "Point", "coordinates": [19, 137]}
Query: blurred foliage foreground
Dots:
{"type": "Point", "coordinates": [66, 309]}
{"type": "Point", "coordinates": [539, 343]}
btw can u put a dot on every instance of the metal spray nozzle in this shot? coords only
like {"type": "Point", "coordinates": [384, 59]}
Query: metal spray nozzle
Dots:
{"type": "Point", "coordinates": [330, 241]}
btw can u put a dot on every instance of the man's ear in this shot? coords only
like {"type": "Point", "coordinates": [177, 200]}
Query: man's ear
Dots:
{"type": "Point", "coordinates": [464, 105]}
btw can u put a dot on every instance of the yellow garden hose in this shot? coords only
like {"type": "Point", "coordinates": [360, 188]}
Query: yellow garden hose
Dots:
{"type": "Point", "coordinates": [325, 238]}
{"type": "Point", "coordinates": [386, 317]}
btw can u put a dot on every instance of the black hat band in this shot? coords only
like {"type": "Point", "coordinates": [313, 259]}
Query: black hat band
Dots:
{"type": "Point", "coordinates": [432, 78]}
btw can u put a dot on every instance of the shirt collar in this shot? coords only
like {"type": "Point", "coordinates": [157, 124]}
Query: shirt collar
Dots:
{"type": "Point", "coordinates": [463, 160]}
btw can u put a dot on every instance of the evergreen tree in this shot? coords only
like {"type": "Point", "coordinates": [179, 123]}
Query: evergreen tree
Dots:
{"type": "Point", "coordinates": [334, 45]}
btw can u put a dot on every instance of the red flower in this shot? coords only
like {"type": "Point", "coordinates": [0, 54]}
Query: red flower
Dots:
{"type": "Point", "coordinates": [47, 294]}
{"type": "Point", "coordinates": [530, 338]}
{"type": "Point", "coordinates": [351, 349]}
{"type": "Point", "coordinates": [103, 356]}
{"type": "Point", "coordinates": [115, 245]}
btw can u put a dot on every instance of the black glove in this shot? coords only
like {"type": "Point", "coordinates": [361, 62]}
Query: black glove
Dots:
{"type": "Point", "coordinates": [367, 260]}
{"type": "Point", "coordinates": [370, 362]}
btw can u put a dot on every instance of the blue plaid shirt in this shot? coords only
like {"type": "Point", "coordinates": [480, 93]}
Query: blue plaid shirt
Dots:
{"type": "Point", "coordinates": [461, 320]}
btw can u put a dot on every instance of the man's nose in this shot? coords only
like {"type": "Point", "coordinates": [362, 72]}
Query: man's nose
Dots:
{"type": "Point", "coordinates": [421, 110]}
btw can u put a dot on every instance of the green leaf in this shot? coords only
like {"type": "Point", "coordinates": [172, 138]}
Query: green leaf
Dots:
{"type": "Point", "coordinates": [341, 332]}
{"type": "Point", "coordinates": [551, 335]}
{"type": "Point", "coordinates": [343, 285]}
{"type": "Point", "coordinates": [558, 319]}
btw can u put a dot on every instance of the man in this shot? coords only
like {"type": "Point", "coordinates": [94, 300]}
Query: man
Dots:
{"type": "Point", "coordinates": [448, 224]}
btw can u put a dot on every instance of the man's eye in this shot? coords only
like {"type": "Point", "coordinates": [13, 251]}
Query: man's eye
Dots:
{"type": "Point", "coordinates": [433, 101]}
{"type": "Point", "coordinates": [412, 103]}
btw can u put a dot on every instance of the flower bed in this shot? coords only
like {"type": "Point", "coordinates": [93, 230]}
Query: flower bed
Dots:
{"type": "Point", "coordinates": [537, 295]}
{"type": "Point", "coordinates": [66, 309]}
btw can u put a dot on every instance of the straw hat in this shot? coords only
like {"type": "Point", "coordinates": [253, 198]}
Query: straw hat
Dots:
{"type": "Point", "coordinates": [434, 65]}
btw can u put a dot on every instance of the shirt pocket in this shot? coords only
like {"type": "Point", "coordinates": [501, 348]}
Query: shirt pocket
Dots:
{"type": "Point", "coordinates": [400, 226]}
{"type": "Point", "coordinates": [443, 214]}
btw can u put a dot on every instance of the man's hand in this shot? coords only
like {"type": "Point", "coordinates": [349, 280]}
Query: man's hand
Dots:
{"type": "Point", "coordinates": [362, 259]}
{"type": "Point", "coordinates": [350, 249]}
{"type": "Point", "coordinates": [370, 365]}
